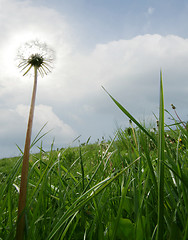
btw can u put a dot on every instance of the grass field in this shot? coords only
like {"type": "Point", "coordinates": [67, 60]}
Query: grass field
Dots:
{"type": "Point", "coordinates": [134, 186]}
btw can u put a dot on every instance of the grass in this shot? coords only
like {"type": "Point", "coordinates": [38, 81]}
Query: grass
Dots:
{"type": "Point", "coordinates": [134, 186]}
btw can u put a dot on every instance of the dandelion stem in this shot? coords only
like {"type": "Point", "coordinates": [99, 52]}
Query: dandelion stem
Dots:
{"type": "Point", "coordinates": [25, 167]}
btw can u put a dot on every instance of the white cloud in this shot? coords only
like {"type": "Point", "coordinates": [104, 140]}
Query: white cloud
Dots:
{"type": "Point", "coordinates": [130, 67]}
{"type": "Point", "coordinates": [13, 124]}
{"type": "Point", "coordinates": [44, 114]}
{"type": "Point", "coordinates": [129, 70]}
{"type": "Point", "coordinates": [71, 99]}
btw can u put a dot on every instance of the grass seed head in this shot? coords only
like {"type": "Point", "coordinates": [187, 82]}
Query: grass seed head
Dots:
{"type": "Point", "coordinates": [173, 107]}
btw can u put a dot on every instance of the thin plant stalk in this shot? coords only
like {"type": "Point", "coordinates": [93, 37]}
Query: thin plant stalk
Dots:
{"type": "Point", "coordinates": [160, 224]}
{"type": "Point", "coordinates": [25, 167]}
{"type": "Point", "coordinates": [41, 64]}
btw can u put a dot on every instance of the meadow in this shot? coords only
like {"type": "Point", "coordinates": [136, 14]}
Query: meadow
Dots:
{"type": "Point", "coordinates": [133, 186]}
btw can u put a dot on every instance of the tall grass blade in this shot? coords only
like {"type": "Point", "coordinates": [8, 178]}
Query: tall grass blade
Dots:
{"type": "Point", "coordinates": [142, 128]}
{"type": "Point", "coordinates": [82, 167]}
{"type": "Point", "coordinates": [161, 148]}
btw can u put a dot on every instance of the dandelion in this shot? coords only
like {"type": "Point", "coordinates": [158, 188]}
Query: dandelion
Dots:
{"type": "Point", "coordinates": [38, 56]}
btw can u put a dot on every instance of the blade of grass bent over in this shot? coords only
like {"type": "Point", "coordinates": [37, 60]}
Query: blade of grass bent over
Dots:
{"type": "Point", "coordinates": [130, 116]}
{"type": "Point", "coordinates": [142, 128]}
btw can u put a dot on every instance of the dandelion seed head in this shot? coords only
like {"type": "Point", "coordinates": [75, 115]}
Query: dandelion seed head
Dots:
{"type": "Point", "coordinates": [35, 54]}
{"type": "Point", "coordinates": [36, 60]}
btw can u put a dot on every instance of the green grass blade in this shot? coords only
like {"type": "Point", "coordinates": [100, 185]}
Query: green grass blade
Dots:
{"type": "Point", "coordinates": [130, 116]}
{"type": "Point", "coordinates": [92, 177]}
{"type": "Point", "coordinates": [68, 225]}
{"type": "Point", "coordinates": [82, 167]}
{"type": "Point", "coordinates": [31, 197]}
{"type": "Point", "coordinates": [37, 138]}
{"type": "Point", "coordinates": [10, 177]}
{"type": "Point", "coordinates": [149, 161]}
{"type": "Point", "coordinates": [123, 195]}
{"type": "Point", "coordinates": [85, 198]}
{"type": "Point", "coordinates": [161, 148]}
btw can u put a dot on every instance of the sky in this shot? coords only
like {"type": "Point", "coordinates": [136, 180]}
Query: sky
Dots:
{"type": "Point", "coordinates": [119, 44]}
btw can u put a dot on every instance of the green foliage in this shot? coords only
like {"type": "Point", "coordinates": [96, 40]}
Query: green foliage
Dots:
{"type": "Point", "coordinates": [6, 165]}
{"type": "Point", "coordinates": [119, 189]}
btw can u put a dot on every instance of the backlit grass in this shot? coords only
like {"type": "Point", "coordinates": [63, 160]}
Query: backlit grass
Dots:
{"type": "Point", "coordinates": [134, 186]}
